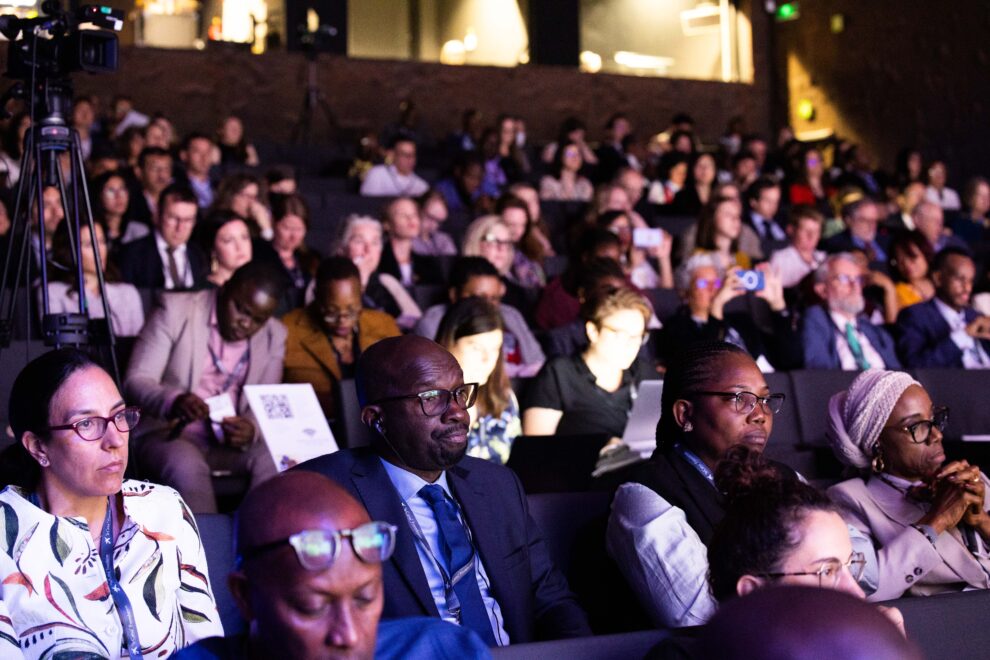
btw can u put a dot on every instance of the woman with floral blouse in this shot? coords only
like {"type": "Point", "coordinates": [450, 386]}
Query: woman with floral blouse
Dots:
{"type": "Point", "coordinates": [91, 565]}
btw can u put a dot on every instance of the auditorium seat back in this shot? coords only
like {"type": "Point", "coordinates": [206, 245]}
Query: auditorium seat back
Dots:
{"type": "Point", "coordinates": [625, 646]}
{"type": "Point", "coordinates": [217, 533]}
{"type": "Point", "coordinates": [948, 625]}
{"type": "Point", "coordinates": [349, 430]}
{"type": "Point", "coordinates": [965, 392]}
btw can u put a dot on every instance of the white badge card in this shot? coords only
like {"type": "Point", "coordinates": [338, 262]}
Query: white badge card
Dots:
{"type": "Point", "coordinates": [221, 405]}
{"type": "Point", "coordinates": [291, 421]}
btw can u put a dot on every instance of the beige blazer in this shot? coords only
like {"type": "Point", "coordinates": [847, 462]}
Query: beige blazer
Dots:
{"type": "Point", "coordinates": [908, 562]}
{"type": "Point", "coordinates": [170, 353]}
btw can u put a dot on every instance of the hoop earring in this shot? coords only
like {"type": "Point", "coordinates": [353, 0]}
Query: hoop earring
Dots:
{"type": "Point", "coordinates": [877, 464]}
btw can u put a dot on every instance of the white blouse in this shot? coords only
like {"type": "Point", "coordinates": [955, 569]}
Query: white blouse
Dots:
{"type": "Point", "coordinates": [54, 595]}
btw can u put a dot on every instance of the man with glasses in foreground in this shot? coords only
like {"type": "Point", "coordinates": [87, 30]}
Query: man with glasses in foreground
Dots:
{"type": "Point", "coordinates": [837, 335]}
{"type": "Point", "coordinates": [467, 550]}
{"type": "Point", "coordinates": [308, 581]}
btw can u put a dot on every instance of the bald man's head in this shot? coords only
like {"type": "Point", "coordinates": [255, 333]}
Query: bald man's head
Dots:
{"type": "Point", "coordinates": [803, 623]}
{"type": "Point", "coordinates": [385, 368]}
{"type": "Point", "coordinates": [294, 611]}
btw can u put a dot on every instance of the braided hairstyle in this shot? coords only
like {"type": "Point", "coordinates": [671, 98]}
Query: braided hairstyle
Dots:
{"type": "Point", "coordinates": [759, 530]}
{"type": "Point", "coordinates": [689, 370]}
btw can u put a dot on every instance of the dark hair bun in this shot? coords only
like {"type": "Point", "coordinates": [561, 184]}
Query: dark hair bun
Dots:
{"type": "Point", "coordinates": [744, 472]}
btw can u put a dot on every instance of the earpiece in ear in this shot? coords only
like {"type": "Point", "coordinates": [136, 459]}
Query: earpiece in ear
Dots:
{"type": "Point", "coordinates": [379, 426]}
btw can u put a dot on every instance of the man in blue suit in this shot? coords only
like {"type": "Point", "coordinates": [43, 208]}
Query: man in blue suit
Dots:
{"type": "Point", "coordinates": [467, 549]}
{"type": "Point", "coordinates": [945, 331]}
{"type": "Point", "coordinates": [838, 335]}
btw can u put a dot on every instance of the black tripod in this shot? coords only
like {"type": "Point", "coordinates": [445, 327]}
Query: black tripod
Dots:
{"type": "Point", "coordinates": [26, 261]}
{"type": "Point", "coordinates": [314, 99]}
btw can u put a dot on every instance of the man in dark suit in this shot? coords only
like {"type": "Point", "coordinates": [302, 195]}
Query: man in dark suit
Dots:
{"type": "Point", "coordinates": [945, 331]}
{"type": "Point", "coordinates": [467, 550]}
{"type": "Point", "coordinates": [154, 174]}
{"type": "Point", "coordinates": [862, 216]}
{"type": "Point", "coordinates": [764, 203]}
{"type": "Point", "coordinates": [837, 335]}
{"type": "Point", "coordinates": [165, 259]}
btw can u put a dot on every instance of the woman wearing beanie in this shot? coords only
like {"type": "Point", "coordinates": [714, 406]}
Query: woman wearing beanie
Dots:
{"type": "Point", "coordinates": [927, 518]}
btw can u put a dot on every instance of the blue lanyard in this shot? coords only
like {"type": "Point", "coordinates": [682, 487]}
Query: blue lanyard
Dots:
{"type": "Point", "coordinates": [124, 610]}
{"type": "Point", "coordinates": [239, 368]}
{"type": "Point", "coordinates": [696, 463]}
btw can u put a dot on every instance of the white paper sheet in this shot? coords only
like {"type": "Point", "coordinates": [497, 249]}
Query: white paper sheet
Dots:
{"type": "Point", "coordinates": [291, 421]}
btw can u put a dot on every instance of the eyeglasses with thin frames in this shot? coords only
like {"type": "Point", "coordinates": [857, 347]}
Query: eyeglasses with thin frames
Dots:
{"type": "Point", "coordinates": [830, 570]}
{"type": "Point", "coordinates": [745, 402]}
{"type": "Point", "coordinates": [436, 402]}
{"type": "Point", "coordinates": [317, 549]}
{"type": "Point", "coordinates": [94, 428]}
{"type": "Point", "coordinates": [921, 431]}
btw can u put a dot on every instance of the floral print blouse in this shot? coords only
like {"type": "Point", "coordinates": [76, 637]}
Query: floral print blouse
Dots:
{"type": "Point", "coordinates": [54, 595]}
{"type": "Point", "coordinates": [490, 437]}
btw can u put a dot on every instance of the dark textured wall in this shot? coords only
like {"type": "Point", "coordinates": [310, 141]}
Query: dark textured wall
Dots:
{"type": "Point", "coordinates": [196, 88]}
{"type": "Point", "coordinates": [901, 73]}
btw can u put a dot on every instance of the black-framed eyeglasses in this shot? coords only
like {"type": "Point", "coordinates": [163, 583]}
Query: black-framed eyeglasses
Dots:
{"type": "Point", "coordinates": [745, 402]}
{"type": "Point", "coordinates": [830, 570]}
{"type": "Point", "coordinates": [317, 549]}
{"type": "Point", "coordinates": [921, 431]}
{"type": "Point", "coordinates": [94, 428]}
{"type": "Point", "coordinates": [435, 402]}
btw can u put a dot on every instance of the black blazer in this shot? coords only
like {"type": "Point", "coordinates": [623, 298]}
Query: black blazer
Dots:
{"type": "Point", "coordinates": [426, 270]}
{"type": "Point", "coordinates": [141, 264]}
{"type": "Point", "coordinates": [533, 595]}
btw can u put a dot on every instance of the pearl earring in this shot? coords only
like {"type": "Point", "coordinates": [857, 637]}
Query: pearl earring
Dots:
{"type": "Point", "coordinates": [43, 461]}
{"type": "Point", "coordinates": [687, 427]}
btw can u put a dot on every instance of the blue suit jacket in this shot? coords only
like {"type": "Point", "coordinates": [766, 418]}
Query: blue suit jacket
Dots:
{"type": "Point", "coordinates": [533, 595]}
{"type": "Point", "coordinates": [925, 337]}
{"type": "Point", "coordinates": [818, 338]}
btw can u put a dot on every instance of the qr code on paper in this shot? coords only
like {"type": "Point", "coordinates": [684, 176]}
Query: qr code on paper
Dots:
{"type": "Point", "coordinates": [276, 406]}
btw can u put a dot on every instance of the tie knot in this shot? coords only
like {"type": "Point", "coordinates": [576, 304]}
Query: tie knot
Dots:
{"type": "Point", "coordinates": [432, 493]}
{"type": "Point", "coordinates": [170, 249]}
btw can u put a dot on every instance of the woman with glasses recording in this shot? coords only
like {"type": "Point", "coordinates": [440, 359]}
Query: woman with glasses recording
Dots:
{"type": "Point", "coordinates": [326, 337]}
{"type": "Point", "coordinates": [93, 565]}
{"type": "Point", "coordinates": [927, 518]}
{"type": "Point", "coordinates": [714, 398]}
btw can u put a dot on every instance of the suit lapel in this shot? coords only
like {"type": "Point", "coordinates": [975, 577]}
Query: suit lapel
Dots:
{"type": "Point", "coordinates": [382, 502]}
{"type": "Point", "coordinates": [199, 332]}
{"type": "Point", "coordinates": [896, 506]}
{"type": "Point", "coordinates": [480, 513]}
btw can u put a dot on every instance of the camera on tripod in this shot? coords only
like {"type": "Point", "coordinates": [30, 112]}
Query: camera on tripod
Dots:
{"type": "Point", "coordinates": [42, 53]}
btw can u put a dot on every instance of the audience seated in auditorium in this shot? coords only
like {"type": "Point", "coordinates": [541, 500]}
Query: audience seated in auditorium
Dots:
{"type": "Point", "coordinates": [720, 231]}
{"type": "Point", "coordinates": [154, 174]}
{"type": "Point", "coordinates": [564, 181]}
{"type": "Point", "coordinates": [525, 272]}
{"type": "Point", "coordinates": [110, 201]}
{"type": "Point", "coordinates": [468, 138]}
{"type": "Point", "coordinates": [836, 334]}
{"type": "Point", "coordinates": [706, 289]}
{"type": "Point", "coordinates": [242, 193]}
{"type": "Point", "coordinates": [910, 262]}
{"type": "Point", "coordinates": [226, 237]}
{"type": "Point", "coordinates": [401, 223]}
{"type": "Point", "coordinates": [811, 187]}
{"type": "Point", "coordinates": [197, 153]}
{"type": "Point", "coordinates": [104, 545]}
{"type": "Point", "coordinates": [290, 220]}
{"type": "Point", "coordinates": [611, 154]}
{"type": "Point", "coordinates": [477, 277]}
{"type": "Point", "coordinates": [673, 177]}
{"type": "Point", "coordinates": [397, 176]}
{"type": "Point", "coordinates": [763, 198]}
{"type": "Point", "coordinates": [433, 242]}
{"type": "Point", "coordinates": [535, 242]}
{"type": "Point", "coordinates": [472, 330]}
{"type": "Point", "coordinates": [861, 216]}
{"type": "Point", "coordinates": [308, 581]}
{"type": "Point", "coordinates": [803, 623]}
{"type": "Point", "coordinates": [799, 259]}
{"type": "Point", "coordinates": [574, 131]}
{"type": "Point", "coordinates": [559, 303]}
{"type": "Point", "coordinates": [946, 331]}
{"type": "Point", "coordinates": [697, 190]}
{"type": "Point", "coordinates": [416, 477]}
{"type": "Point", "coordinates": [929, 219]}
{"type": "Point", "coordinates": [634, 258]}
{"type": "Point", "coordinates": [971, 225]}
{"type": "Point", "coordinates": [593, 391]}
{"type": "Point", "coordinates": [462, 189]}
{"type": "Point", "coordinates": [124, 301]}
{"type": "Point", "coordinates": [194, 347]}
{"type": "Point", "coordinates": [489, 237]}
{"type": "Point", "coordinates": [326, 337]}
{"type": "Point", "coordinates": [714, 398]}
{"type": "Point", "coordinates": [361, 242]}
{"type": "Point", "coordinates": [926, 518]}
{"type": "Point", "coordinates": [908, 198]}
{"type": "Point", "coordinates": [235, 149]}
{"type": "Point", "coordinates": [166, 259]}
{"type": "Point", "coordinates": [938, 192]}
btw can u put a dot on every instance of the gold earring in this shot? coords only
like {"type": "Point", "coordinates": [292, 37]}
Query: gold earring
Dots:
{"type": "Point", "coordinates": [877, 464]}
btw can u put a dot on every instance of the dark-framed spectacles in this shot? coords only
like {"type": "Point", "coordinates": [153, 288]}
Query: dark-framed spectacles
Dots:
{"type": "Point", "coordinates": [921, 432]}
{"type": "Point", "coordinates": [745, 402]}
{"type": "Point", "coordinates": [435, 402]}
{"type": "Point", "coordinates": [94, 428]}
{"type": "Point", "coordinates": [338, 315]}
{"type": "Point", "coordinates": [317, 549]}
{"type": "Point", "coordinates": [830, 570]}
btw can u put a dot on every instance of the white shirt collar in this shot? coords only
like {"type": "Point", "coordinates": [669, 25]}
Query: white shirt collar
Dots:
{"type": "Point", "coordinates": [408, 484]}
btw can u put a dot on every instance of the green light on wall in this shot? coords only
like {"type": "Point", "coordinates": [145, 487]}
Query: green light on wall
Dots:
{"type": "Point", "coordinates": [787, 11]}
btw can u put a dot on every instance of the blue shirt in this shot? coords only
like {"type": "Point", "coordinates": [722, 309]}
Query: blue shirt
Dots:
{"type": "Point", "coordinates": [408, 486]}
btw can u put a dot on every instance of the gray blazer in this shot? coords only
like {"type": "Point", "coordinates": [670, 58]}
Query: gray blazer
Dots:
{"type": "Point", "coordinates": [169, 355]}
{"type": "Point", "coordinates": [908, 562]}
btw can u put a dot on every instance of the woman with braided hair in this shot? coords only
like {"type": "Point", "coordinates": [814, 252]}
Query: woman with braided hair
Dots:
{"type": "Point", "coordinates": [927, 518]}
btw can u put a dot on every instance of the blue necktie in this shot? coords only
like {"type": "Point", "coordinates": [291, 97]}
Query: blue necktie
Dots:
{"type": "Point", "coordinates": [458, 553]}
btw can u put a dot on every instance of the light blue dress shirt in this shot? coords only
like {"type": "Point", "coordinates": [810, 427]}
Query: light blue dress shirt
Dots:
{"type": "Point", "coordinates": [408, 486]}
